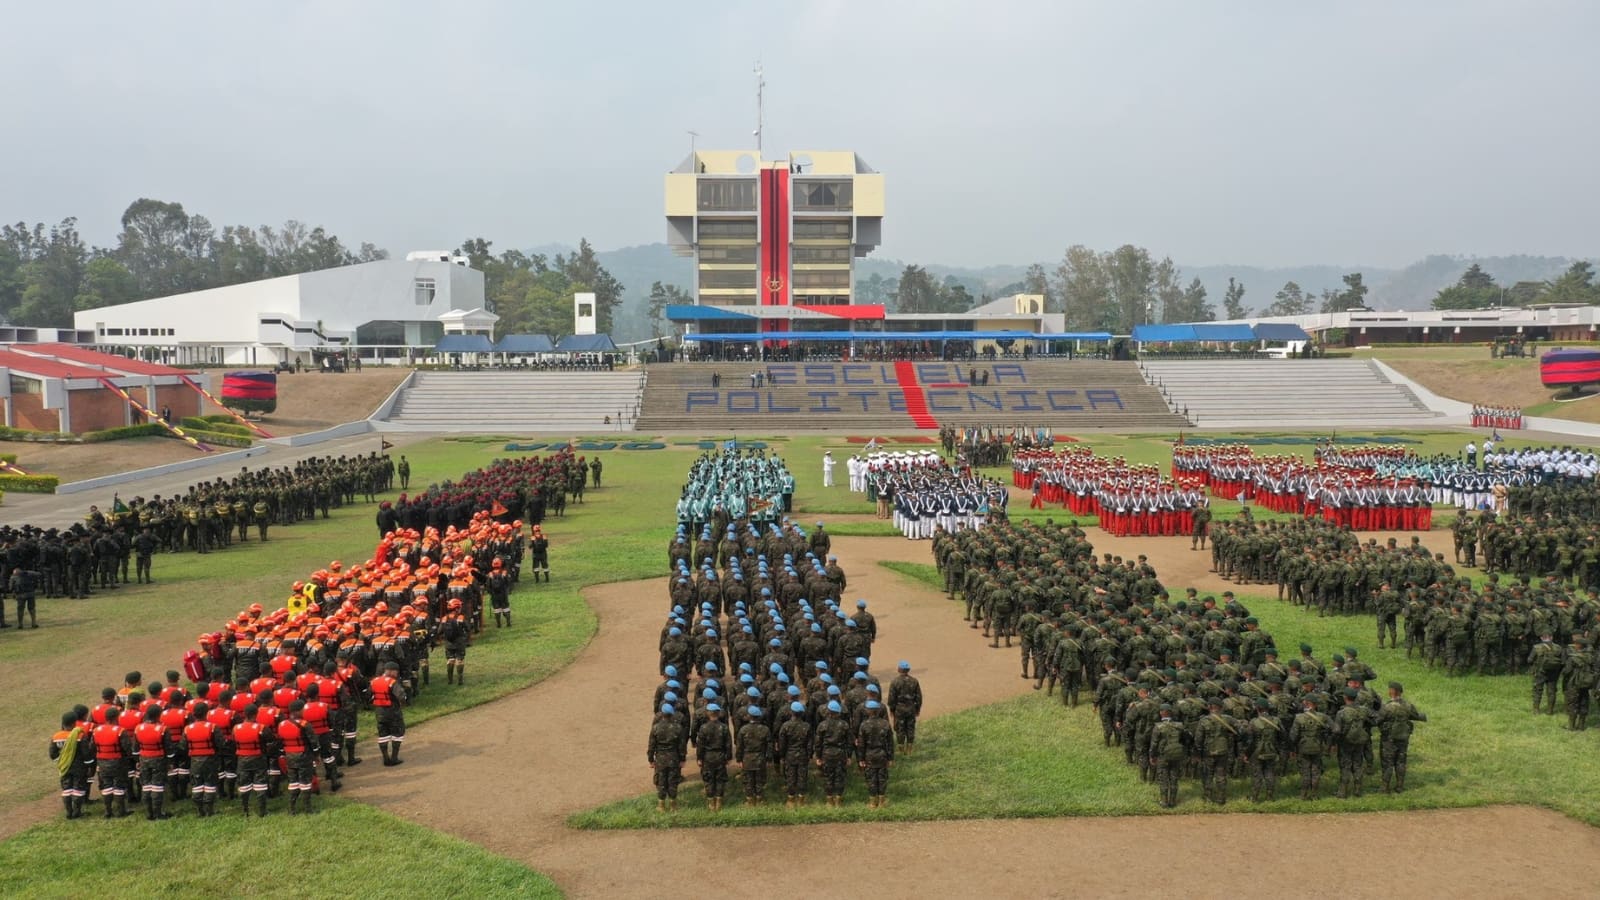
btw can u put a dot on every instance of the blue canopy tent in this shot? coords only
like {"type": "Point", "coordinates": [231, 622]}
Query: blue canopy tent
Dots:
{"type": "Point", "coordinates": [524, 344]}
{"type": "Point", "coordinates": [586, 343]}
{"type": "Point", "coordinates": [1280, 331]}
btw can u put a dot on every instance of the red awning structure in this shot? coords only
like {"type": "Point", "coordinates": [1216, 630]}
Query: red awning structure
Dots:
{"type": "Point", "coordinates": [863, 311]}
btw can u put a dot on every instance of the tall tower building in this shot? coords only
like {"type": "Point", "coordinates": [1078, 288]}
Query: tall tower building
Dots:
{"type": "Point", "coordinates": [782, 232]}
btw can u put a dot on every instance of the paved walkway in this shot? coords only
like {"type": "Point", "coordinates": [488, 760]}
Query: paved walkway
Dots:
{"type": "Point", "coordinates": [62, 510]}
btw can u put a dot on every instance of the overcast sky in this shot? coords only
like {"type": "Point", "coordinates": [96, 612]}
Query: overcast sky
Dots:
{"type": "Point", "coordinates": [1265, 133]}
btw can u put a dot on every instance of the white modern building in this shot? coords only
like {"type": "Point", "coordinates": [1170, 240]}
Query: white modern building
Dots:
{"type": "Point", "coordinates": [390, 310]}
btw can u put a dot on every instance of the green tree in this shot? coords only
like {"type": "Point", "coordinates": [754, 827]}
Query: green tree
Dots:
{"type": "Point", "coordinates": [954, 296]}
{"type": "Point", "coordinates": [583, 269]}
{"type": "Point", "coordinates": [1084, 286]}
{"type": "Point", "coordinates": [662, 296]}
{"type": "Point", "coordinates": [1475, 289]}
{"type": "Point", "coordinates": [1233, 300]}
{"type": "Point", "coordinates": [1289, 301]}
{"type": "Point", "coordinates": [1575, 285]}
{"type": "Point", "coordinates": [1037, 281]}
{"type": "Point", "coordinates": [1132, 277]}
{"type": "Point", "coordinates": [164, 247]}
{"type": "Point", "coordinates": [53, 276]}
{"type": "Point", "coordinates": [1169, 292]}
{"type": "Point", "coordinates": [1525, 293]}
{"type": "Point", "coordinates": [1354, 296]}
{"type": "Point", "coordinates": [1196, 307]}
{"type": "Point", "coordinates": [106, 282]}
{"type": "Point", "coordinates": [916, 291]}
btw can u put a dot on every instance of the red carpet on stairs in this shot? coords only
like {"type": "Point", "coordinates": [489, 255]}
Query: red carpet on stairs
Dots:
{"type": "Point", "coordinates": [916, 401]}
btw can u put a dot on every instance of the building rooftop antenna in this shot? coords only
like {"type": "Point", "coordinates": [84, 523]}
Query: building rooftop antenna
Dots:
{"type": "Point", "coordinates": [692, 135]}
{"type": "Point", "coordinates": [761, 83]}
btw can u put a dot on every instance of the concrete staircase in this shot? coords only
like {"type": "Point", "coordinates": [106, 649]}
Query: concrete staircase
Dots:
{"type": "Point", "coordinates": [1278, 393]}
{"type": "Point", "coordinates": [518, 403]}
{"type": "Point", "coordinates": [873, 396]}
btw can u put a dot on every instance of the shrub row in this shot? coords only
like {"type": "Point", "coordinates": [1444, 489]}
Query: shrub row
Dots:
{"type": "Point", "coordinates": [29, 484]}
{"type": "Point", "coordinates": [216, 425]}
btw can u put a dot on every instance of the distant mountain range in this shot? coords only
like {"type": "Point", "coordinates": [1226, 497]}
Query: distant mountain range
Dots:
{"type": "Point", "coordinates": [1411, 287]}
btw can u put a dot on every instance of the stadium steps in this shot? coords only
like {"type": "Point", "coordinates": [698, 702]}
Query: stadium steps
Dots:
{"type": "Point", "coordinates": [1272, 393]}
{"type": "Point", "coordinates": [679, 397]}
{"type": "Point", "coordinates": [525, 402]}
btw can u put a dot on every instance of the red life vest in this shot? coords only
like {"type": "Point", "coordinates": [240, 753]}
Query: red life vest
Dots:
{"type": "Point", "coordinates": [105, 712]}
{"type": "Point", "coordinates": [283, 665]}
{"type": "Point", "coordinates": [316, 715]}
{"type": "Point", "coordinates": [221, 720]}
{"type": "Point", "coordinates": [173, 721]}
{"type": "Point", "coordinates": [267, 717]}
{"type": "Point", "coordinates": [305, 680]}
{"type": "Point", "coordinates": [382, 691]}
{"type": "Point", "coordinates": [293, 735]}
{"type": "Point", "coordinates": [200, 736]}
{"type": "Point", "coordinates": [282, 697]}
{"type": "Point", "coordinates": [328, 692]}
{"type": "Point", "coordinates": [107, 742]}
{"type": "Point", "coordinates": [247, 736]}
{"type": "Point", "coordinates": [128, 721]}
{"type": "Point", "coordinates": [152, 740]}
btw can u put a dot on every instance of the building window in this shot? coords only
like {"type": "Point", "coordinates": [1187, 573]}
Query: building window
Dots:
{"type": "Point", "coordinates": [728, 278]}
{"type": "Point", "coordinates": [804, 230]}
{"type": "Point", "coordinates": [822, 254]}
{"type": "Point", "coordinates": [382, 331]}
{"type": "Point", "coordinates": [727, 196]}
{"type": "Point", "coordinates": [829, 195]}
{"type": "Point", "coordinates": [744, 228]}
{"type": "Point", "coordinates": [825, 278]}
{"type": "Point", "coordinates": [745, 254]}
{"type": "Point", "coordinates": [423, 289]}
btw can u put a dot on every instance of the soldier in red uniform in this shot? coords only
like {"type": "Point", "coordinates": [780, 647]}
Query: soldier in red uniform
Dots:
{"type": "Point", "coordinates": [298, 739]}
{"type": "Point", "coordinates": [319, 716]}
{"type": "Point", "coordinates": [388, 696]}
{"type": "Point", "coordinates": [154, 748]}
{"type": "Point", "coordinates": [173, 718]}
{"type": "Point", "coordinates": [249, 745]}
{"type": "Point", "coordinates": [112, 747]}
{"type": "Point", "coordinates": [200, 745]}
{"type": "Point", "coordinates": [221, 716]}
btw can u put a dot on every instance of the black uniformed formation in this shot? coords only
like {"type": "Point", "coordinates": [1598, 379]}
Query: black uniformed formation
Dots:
{"type": "Point", "coordinates": [1190, 687]}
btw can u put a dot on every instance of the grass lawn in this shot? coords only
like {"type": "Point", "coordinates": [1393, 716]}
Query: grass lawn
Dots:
{"type": "Point", "coordinates": [1030, 757]}
{"type": "Point", "coordinates": [1051, 761]}
{"type": "Point", "coordinates": [230, 854]}
{"type": "Point", "coordinates": [618, 534]}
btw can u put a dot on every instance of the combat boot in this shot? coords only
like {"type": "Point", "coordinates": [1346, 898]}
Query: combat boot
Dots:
{"type": "Point", "coordinates": [107, 799]}
{"type": "Point", "coordinates": [661, 806]}
{"type": "Point", "coordinates": [461, 674]}
{"type": "Point", "coordinates": [789, 803]}
{"type": "Point", "coordinates": [261, 804]}
{"type": "Point", "coordinates": [672, 805]}
{"type": "Point", "coordinates": [150, 807]}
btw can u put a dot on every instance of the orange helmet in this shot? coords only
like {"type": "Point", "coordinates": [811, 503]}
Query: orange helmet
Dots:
{"type": "Point", "coordinates": [335, 565]}
{"type": "Point", "coordinates": [454, 604]}
{"type": "Point", "coordinates": [498, 563]}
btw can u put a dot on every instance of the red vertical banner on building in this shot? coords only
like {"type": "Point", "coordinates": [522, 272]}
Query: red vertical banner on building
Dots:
{"type": "Point", "coordinates": [774, 228]}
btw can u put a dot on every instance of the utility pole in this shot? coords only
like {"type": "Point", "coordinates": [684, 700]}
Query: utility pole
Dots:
{"type": "Point", "coordinates": [761, 83]}
{"type": "Point", "coordinates": [692, 135]}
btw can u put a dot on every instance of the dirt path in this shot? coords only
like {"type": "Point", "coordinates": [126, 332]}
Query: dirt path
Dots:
{"type": "Point", "coordinates": [507, 774]}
